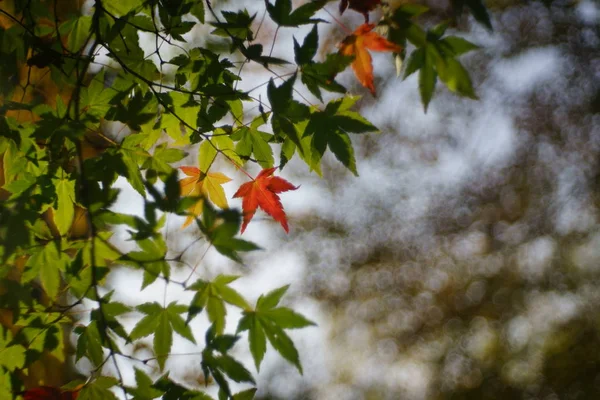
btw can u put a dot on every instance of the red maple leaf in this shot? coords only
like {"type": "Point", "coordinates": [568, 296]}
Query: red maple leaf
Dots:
{"type": "Point", "coordinates": [49, 393]}
{"type": "Point", "coordinates": [357, 45]}
{"type": "Point", "coordinates": [362, 6]}
{"type": "Point", "coordinates": [262, 192]}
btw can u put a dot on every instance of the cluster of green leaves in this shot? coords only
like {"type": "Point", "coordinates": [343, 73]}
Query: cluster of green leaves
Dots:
{"type": "Point", "coordinates": [435, 55]}
{"type": "Point", "coordinates": [59, 162]}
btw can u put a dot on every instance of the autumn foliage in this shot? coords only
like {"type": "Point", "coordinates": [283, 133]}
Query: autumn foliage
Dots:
{"type": "Point", "coordinates": [358, 44]}
{"type": "Point", "coordinates": [204, 185]}
{"type": "Point", "coordinates": [262, 192]}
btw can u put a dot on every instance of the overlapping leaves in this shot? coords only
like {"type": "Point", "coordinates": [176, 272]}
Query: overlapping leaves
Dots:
{"type": "Point", "coordinates": [435, 55]}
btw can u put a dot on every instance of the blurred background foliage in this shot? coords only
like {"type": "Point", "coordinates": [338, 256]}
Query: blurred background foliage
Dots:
{"type": "Point", "coordinates": [491, 292]}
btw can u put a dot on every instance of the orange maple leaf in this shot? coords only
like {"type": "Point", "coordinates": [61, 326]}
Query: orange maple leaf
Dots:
{"type": "Point", "coordinates": [362, 6]}
{"type": "Point", "coordinates": [357, 44]}
{"type": "Point", "coordinates": [49, 393]}
{"type": "Point", "coordinates": [262, 192]}
{"type": "Point", "coordinates": [206, 185]}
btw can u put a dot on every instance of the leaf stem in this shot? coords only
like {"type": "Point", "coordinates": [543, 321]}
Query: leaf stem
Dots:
{"type": "Point", "coordinates": [337, 21]}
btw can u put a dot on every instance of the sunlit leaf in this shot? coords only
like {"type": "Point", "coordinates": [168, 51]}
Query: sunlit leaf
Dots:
{"type": "Point", "coordinates": [357, 44]}
{"type": "Point", "coordinates": [65, 210]}
{"type": "Point", "coordinates": [163, 339]}
{"type": "Point", "coordinates": [208, 185]}
{"type": "Point", "coordinates": [263, 192]}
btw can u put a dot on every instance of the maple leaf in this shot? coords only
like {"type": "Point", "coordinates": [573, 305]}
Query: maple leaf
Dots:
{"type": "Point", "coordinates": [362, 6]}
{"type": "Point", "coordinates": [205, 185]}
{"type": "Point", "coordinates": [262, 192]}
{"type": "Point", "coordinates": [357, 44]}
{"type": "Point", "coordinates": [49, 393]}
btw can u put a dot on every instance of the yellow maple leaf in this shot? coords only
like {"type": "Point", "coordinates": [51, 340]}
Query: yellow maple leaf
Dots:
{"type": "Point", "coordinates": [208, 186]}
